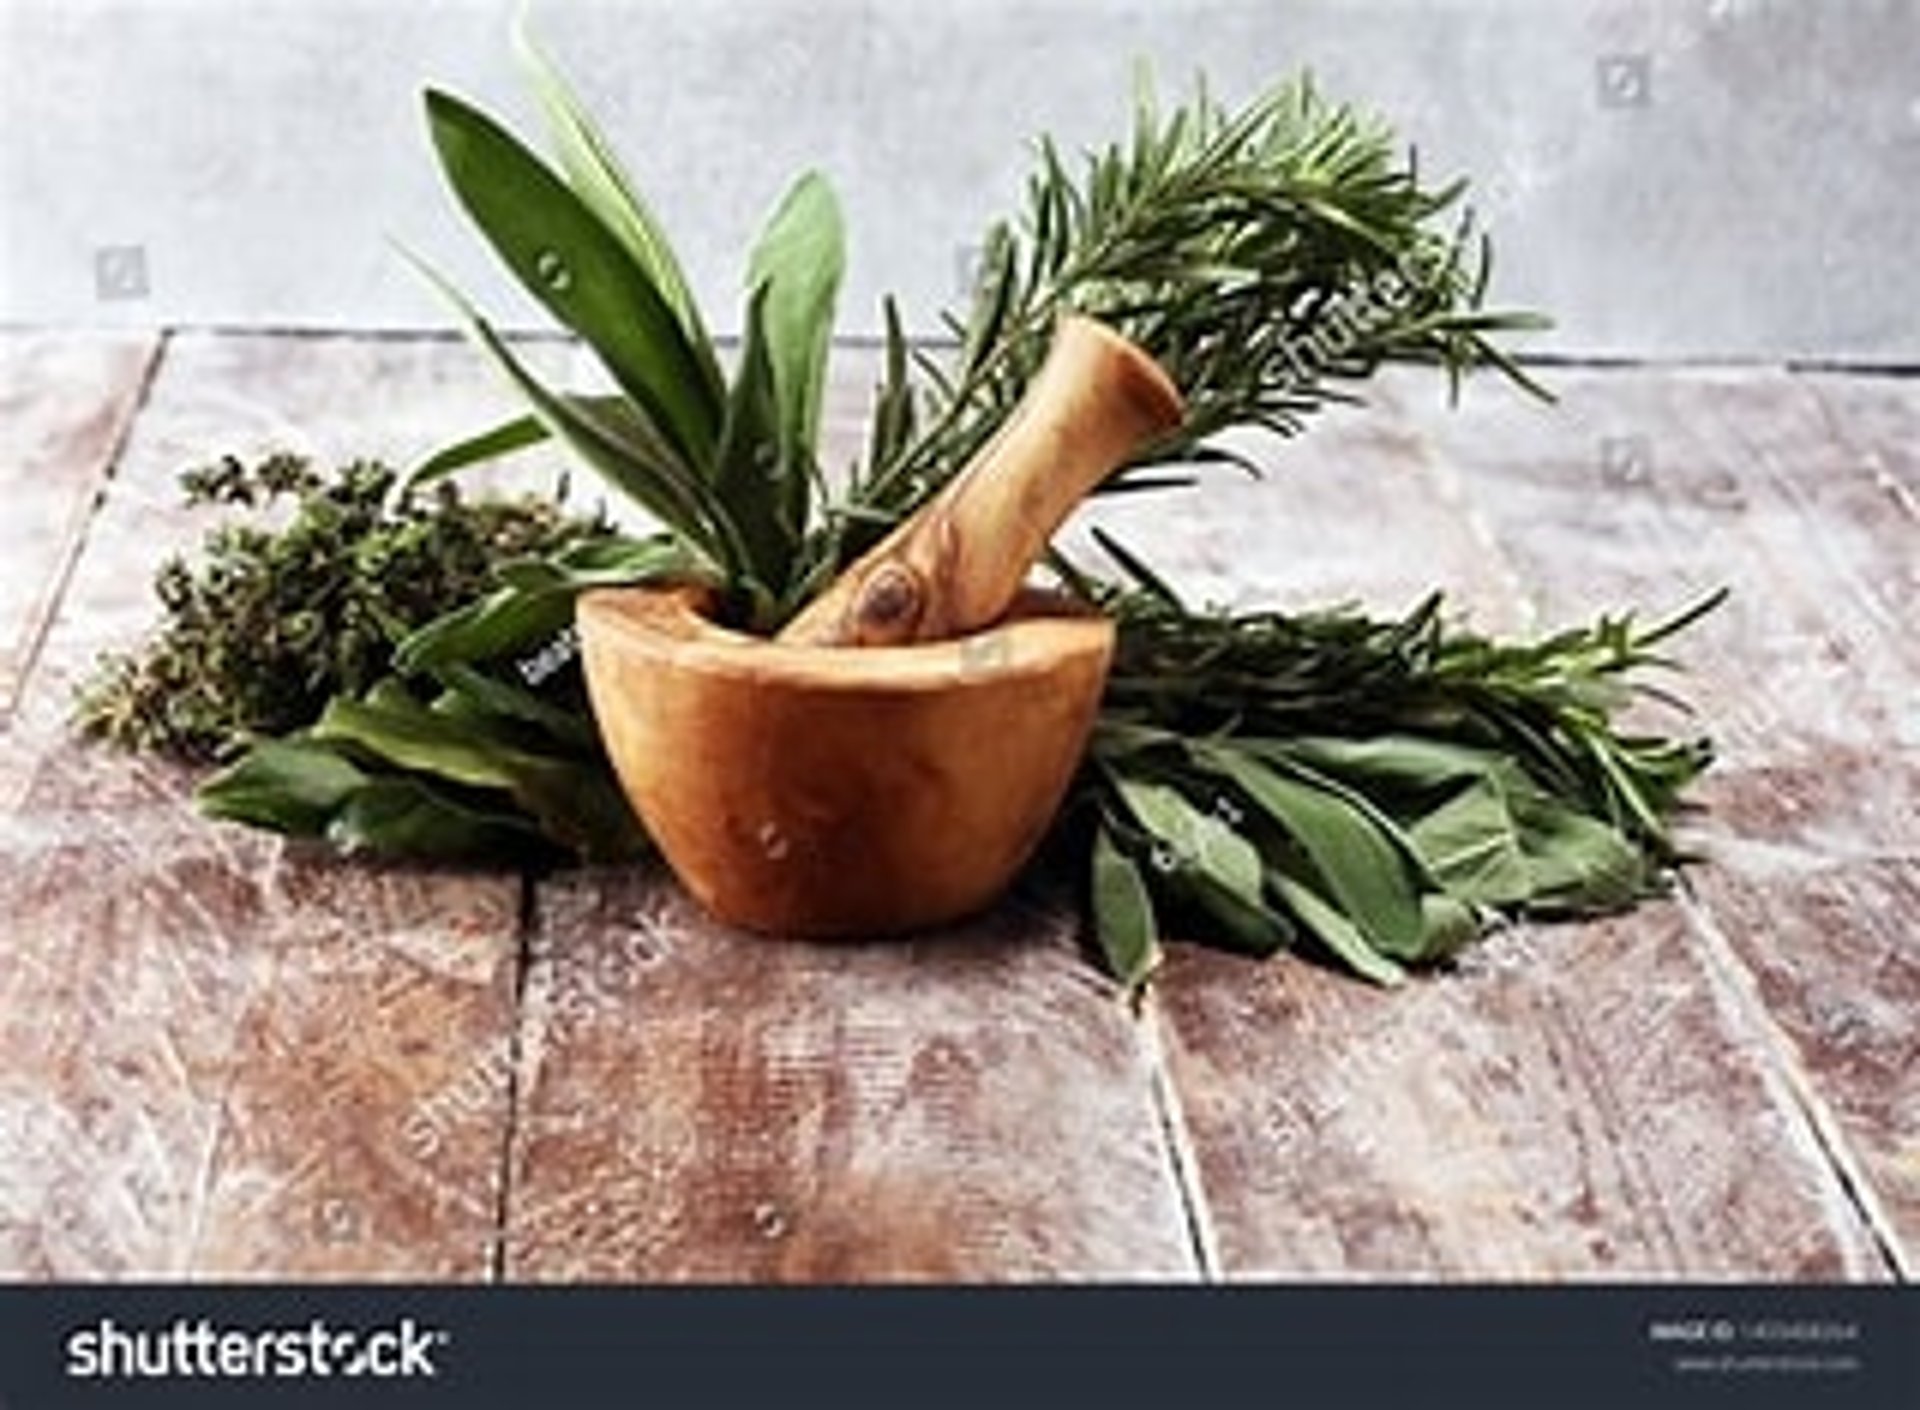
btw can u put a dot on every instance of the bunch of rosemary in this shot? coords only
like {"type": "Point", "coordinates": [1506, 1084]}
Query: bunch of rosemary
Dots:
{"type": "Point", "coordinates": [1380, 788]}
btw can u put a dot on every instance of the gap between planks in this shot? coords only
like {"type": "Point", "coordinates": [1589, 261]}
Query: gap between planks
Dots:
{"type": "Point", "coordinates": [528, 918]}
{"type": "Point", "coordinates": [1822, 1129]}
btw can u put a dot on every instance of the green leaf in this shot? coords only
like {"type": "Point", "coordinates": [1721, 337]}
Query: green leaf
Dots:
{"type": "Point", "coordinates": [490, 444]}
{"type": "Point", "coordinates": [1200, 858]}
{"type": "Point", "coordinates": [616, 442]}
{"type": "Point", "coordinates": [1405, 762]}
{"type": "Point", "coordinates": [468, 688]}
{"type": "Point", "coordinates": [506, 622]}
{"type": "Point", "coordinates": [537, 604]}
{"type": "Point", "coordinates": [286, 785]}
{"type": "Point", "coordinates": [505, 439]}
{"type": "Point", "coordinates": [1448, 925]}
{"type": "Point", "coordinates": [559, 793]}
{"type": "Point", "coordinates": [400, 815]}
{"type": "Point", "coordinates": [1333, 929]}
{"type": "Point", "coordinates": [1191, 840]}
{"type": "Point", "coordinates": [1576, 861]}
{"type": "Point", "coordinates": [1123, 918]}
{"type": "Point", "coordinates": [893, 408]}
{"type": "Point", "coordinates": [798, 261]}
{"type": "Point", "coordinates": [1363, 865]}
{"type": "Point", "coordinates": [391, 723]}
{"type": "Point", "coordinates": [603, 186]}
{"type": "Point", "coordinates": [1471, 844]}
{"type": "Point", "coordinates": [568, 259]}
{"type": "Point", "coordinates": [752, 475]}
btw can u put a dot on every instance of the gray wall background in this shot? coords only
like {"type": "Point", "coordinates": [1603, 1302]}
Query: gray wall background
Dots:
{"type": "Point", "coordinates": [1682, 178]}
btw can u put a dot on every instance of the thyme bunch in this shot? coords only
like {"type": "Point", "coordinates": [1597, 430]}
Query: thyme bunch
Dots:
{"type": "Point", "coordinates": [274, 620]}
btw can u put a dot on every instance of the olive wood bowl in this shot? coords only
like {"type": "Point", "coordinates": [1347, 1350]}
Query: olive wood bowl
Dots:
{"type": "Point", "coordinates": [841, 790]}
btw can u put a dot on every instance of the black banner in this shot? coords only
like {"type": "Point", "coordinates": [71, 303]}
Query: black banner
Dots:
{"type": "Point", "coordinates": [919, 1349]}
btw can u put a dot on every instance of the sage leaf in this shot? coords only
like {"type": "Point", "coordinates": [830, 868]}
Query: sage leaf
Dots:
{"type": "Point", "coordinates": [1123, 917]}
{"type": "Point", "coordinates": [1189, 840]}
{"type": "Point", "coordinates": [1576, 861]}
{"type": "Point", "coordinates": [567, 258]}
{"type": "Point", "coordinates": [1471, 843]}
{"type": "Point", "coordinates": [290, 785]}
{"type": "Point", "coordinates": [480, 696]}
{"type": "Point", "coordinates": [496, 442]}
{"type": "Point", "coordinates": [1364, 866]}
{"type": "Point", "coordinates": [1447, 926]}
{"type": "Point", "coordinates": [603, 186]}
{"type": "Point", "coordinates": [1333, 929]}
{"type": "Point", "coordinates": [753, 476]}
{"type": "Point", "coordinates": [799, 260]}
{"type": "Point", "coordinates": [390, 724]}
{"type": "Point", "coordinates": [527, 613]}
{"type": "Point", "coordinates": [490, 444]}
{"type": "Point", "coordinates": [616, 441]}
{"type": "Point", "coordinates": [505, 622]}
{"type": "Point", "coordinates": [401, 815]}
{"type": "Point", "coordinates": [1200, 859]}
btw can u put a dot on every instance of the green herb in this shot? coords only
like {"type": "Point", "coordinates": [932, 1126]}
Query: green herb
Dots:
{"type": "Point", "coordinates": [276, 621]}
{"type": "Point", "coordinates": [1402, 782]}
{"type": "Point", "coordinates": [730, 467]}
{"type": "Point", "coordinates": [1264, 256]}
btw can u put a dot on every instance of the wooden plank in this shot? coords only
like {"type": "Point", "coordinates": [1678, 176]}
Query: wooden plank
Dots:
{"type": "Point", "coordinates": [65, 403]}
{"type": "Point", "coordinates": [223, 1060]}
{"type": "Point", "coordinates": [1645, 487]}
{"type": "Point", "coordinates": [1352, 511]}
{"type": "Point", "coordinates": [221, 1055]}
{"type": "Point", "coordinates": [1573, 1102]}
{"type": "Point", "coordinates": [1878, 417]}
{"type": "Point", "coordinates": [700, 1104]}
{"type": "Point", "coordinates": [1831, 951]}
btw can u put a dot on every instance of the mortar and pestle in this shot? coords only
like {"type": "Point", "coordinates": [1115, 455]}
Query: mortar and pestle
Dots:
{"type": "Point", "coordinates": [893, 756]}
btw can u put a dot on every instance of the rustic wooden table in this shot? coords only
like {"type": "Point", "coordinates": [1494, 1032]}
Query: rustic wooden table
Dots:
{"type": "Point", "coordinates": [222, 1057]}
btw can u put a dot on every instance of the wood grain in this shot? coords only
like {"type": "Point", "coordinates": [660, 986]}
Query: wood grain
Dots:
{"type": "Point", "coordinates": [699, 1104]}
{"type": "Point", "coordinates": [66, 400]}
{"type": "Point", "coordinates": [226, 1056]}
{"type": "Point", "coordinates": [1572, 1102]}
{"type": "Point", "coordinates": [1808, 679]}
{"type": "Point", "coordinates": [1352, 511]}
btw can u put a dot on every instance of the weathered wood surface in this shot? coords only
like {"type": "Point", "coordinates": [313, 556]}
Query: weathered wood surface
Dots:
{"type": "Point", "coordinates": [702, 1104]}
{"type": "Point", "coordinates": [1797, 494]}
{"type": "Point", "coordinates": [66, 401]}
{"type": "Point", "coordinates": [219, 1053]}
{"type": "Point", "coordinates": [226, 1056]}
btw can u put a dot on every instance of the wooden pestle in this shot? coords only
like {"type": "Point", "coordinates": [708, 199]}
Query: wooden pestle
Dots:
{"type": "Point", "coordinates": [956, 566]}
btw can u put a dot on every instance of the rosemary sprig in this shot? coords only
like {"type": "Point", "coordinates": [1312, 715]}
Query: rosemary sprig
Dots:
{"type": "Point", "coordinates": [1265, 256]}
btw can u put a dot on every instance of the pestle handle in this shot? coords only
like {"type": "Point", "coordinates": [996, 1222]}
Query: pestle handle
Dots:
{"type": "Point", "coordinates": [957, 565]}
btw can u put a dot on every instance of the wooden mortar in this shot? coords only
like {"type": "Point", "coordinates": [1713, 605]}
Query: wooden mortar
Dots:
{"type": "Point", "coordinates": [838, 790]}
{"type": "Point", "coordinates": [874, 770]}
